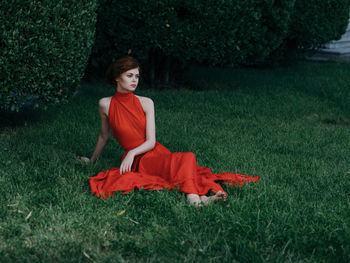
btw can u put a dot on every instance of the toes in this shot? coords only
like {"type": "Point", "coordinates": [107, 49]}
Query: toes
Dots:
{"type": "Point", "coordinates": [221, 196]}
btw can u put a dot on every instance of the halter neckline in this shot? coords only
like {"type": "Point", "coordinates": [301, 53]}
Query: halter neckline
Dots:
{"type": "Point", "coordinates": [123, 95]}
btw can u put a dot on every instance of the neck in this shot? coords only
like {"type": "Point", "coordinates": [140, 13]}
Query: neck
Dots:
{"type": "Point", "coordinates": [121, 90]}
{"type": "Point", "coordinates": [124, 94]}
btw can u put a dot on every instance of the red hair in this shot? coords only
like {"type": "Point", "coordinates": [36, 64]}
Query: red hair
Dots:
{"type": "Point", "coordinates": [120, 66]}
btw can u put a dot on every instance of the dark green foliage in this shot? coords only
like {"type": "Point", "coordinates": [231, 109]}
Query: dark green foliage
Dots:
{"type": "Point", "coordinates": [246, 33]}
{"type": "Point", "coordinates": [163, 33]}
{"type": "Point", "coordinates": [212, 32]}
{"type": "Point", "coordinates": [44, 49]}
{"type": "Point", "coordinates": [315, 22]}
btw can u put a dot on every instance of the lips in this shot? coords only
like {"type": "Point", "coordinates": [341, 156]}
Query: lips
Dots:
{"type": "Point", "coordinates": [133, 85]}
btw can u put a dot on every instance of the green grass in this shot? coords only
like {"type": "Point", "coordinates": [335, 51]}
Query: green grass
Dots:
{"type": "Point", "coordinates": [290, 126]}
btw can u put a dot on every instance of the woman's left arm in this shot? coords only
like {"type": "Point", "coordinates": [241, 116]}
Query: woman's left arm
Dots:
{"type": "Point", "coordinates": [148, 108]}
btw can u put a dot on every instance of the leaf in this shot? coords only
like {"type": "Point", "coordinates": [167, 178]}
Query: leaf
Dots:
{"type": "Point", "coordinates": [29, 215]}
{"type": "Point", "coordinates": [121, 212]}
{"type": "Point", "coordinates": [88, 257]}
{"type": "Point", "coordinates": [135, 222]}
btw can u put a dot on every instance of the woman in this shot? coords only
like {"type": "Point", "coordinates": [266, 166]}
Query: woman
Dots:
{"type": "Point", "coordinates": [146, 163]}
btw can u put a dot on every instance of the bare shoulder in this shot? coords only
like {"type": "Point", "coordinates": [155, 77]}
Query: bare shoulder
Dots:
{"type": "Point", "coordinates": [103, 104]}
{"type": "Point", "coordinates": [146, 103]}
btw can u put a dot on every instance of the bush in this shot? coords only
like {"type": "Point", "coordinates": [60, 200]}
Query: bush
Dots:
{"type": "Point", "coordinates": [160, 32]}
{"type": "Point", "coordinates": [45, 47]}
{"type": "Point", "coordinates": [315, 22]}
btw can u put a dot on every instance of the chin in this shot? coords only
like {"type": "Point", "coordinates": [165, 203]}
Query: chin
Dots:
{"type": "Point", "coordinates": [128, 89]}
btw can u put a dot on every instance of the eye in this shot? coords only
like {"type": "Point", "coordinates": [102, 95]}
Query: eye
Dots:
{"type": "Point", "coordinates": [137, 76]}
{"type": "Point", "coordinates": [129, 75]}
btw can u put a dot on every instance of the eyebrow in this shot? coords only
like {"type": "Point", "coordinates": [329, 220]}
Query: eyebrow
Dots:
{"type": "Point", "coordinates": [130, 74]}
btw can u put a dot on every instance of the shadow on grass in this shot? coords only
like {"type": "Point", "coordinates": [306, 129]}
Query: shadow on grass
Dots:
{"type": "Point", "coordinates": [29, 116]}
{"type": "Point", "coordinates": [18, 119]}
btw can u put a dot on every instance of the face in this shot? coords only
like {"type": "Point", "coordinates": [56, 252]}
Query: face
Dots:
{"type": "Point", "coordinates": [128, 80]}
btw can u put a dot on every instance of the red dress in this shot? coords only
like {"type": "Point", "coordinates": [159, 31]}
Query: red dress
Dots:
{"type": "Point", "coordinates": [158, 168]}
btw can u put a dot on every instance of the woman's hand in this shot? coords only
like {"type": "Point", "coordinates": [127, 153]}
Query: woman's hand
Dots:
{"type": "Point", "coordinates": [83, 159]}
{"type": "Point", "coordinates": [127, 163]}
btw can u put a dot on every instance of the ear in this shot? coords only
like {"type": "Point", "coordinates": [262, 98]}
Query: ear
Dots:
{"type": "Point", "coordinates": [116, 80]}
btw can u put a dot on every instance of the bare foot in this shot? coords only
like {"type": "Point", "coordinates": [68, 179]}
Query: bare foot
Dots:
{"type": "Point", "coordinates": [219, 196]}
{"type": "Point", "coordinates": [83, 159]}
{"type": "Point", "coordinates": [194, 200]}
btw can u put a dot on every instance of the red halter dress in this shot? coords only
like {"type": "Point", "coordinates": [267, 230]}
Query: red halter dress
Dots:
{"type": "Point", "coordinates": [158, 168]}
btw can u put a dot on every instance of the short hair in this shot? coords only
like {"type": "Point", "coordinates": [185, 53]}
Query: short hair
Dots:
{"type": "Point", "coordinates": [120, 66]}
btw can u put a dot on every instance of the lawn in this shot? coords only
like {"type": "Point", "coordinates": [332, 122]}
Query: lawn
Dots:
{"type": "Point", "coordinates": [288, 125]}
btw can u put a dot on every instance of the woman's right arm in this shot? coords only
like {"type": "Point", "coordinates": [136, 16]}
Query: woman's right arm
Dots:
{"type": "Point", "coordinates": [104, 134]}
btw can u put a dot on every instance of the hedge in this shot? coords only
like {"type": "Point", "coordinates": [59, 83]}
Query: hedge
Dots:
{"type": "Point", "coordinates": [316, 22]}
{"type": "Point", "coordinates": [220, 32]}
{"type": "Point", "coordinates": [45, 47]}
